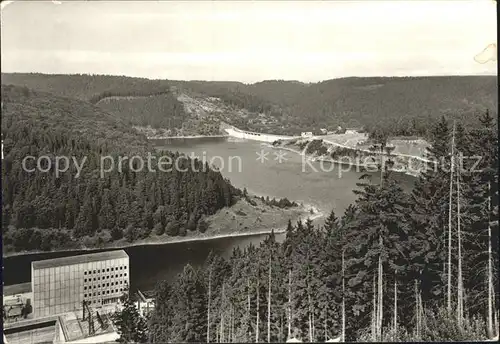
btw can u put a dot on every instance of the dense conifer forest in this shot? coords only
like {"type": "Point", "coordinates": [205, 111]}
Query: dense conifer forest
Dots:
{"type": "Point", "coordinates": [288, 107]}
{"type": "Point", "coordinates": [43, 210]}
{"type": "Point", "coordinates": [396, 266]}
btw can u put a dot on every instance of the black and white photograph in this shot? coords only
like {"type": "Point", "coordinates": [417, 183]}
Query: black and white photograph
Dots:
{"type": "Point", "coordinates": [249, 171]}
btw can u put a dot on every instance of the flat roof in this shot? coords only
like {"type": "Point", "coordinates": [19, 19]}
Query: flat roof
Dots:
{"type": "Point", "coordinates": [16, 289]}
{"type": "Point", "coordinates": [79, 259]}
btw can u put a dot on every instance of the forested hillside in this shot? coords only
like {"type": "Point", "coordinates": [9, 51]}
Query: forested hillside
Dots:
{"type": "Point", "coordinates": [87, 87]}
{"type": "Point", "coordinates": [160, 111]}
{"type": "Point", "coordinates": [399, 105]}
{"type": "Point", "coordinates": [396, 266]}
{"type": "Point", "coordinates": [138, 101]}
{"type": "Point", "coordinates": [43, 210]}
{"type": "Point", "coordinates": [396, 105]}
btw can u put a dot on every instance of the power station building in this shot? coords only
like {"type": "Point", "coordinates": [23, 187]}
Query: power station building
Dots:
{"type": "Point", "coordinates": [61, 285]}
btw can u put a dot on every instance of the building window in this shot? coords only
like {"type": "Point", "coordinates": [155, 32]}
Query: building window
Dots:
{"type": "Point", "coordinates": [84, 280]}
{"type": "Point", "coordinates": [94, 278]}
{"type": "Point", "coordinates": [125, 274]}
{"type": "Point", "coordinates": [107, 269]}
{"type": "Point", "coordinates": [84, 295]}
{"type": "Point", "coordinates": [85, 288]}
{"type": "Point", "coordinates": [98, 271]}
{"type": "Point", "coordinates": [85, 272]}
{"type": "Point", "coordinates": [94, 271]}
{"type": "Point", "coordinates": [107, 285]}
{"type": "Point", "coordinates": [112, 269]}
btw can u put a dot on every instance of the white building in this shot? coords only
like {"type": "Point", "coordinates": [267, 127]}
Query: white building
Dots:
{"type": "Point", "coordinates": [306, 134]}
{"type": "Point", "coordinates": [60, 285]}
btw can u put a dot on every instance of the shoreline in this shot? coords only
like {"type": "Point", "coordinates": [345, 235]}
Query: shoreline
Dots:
{"type": "Point", "coordinates": [305, 212]}
{"type": "Point", "coordinates": [317, 212]}
{"type": "Point", "coordinates": [319, 158]}
{"type": "Point", "coordinates": [175, 240]}
{"type": "Point", "coordinates": [339, 162]}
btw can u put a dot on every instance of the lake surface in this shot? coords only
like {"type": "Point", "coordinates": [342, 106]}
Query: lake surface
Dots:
{"type": "Point", "coordinates": [148, 263]}
{"type": "Point", "coordinates": [325, 186]}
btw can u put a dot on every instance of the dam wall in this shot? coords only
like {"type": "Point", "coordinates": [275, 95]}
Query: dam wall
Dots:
{"type": "Point", "coordinates": [248, 135]}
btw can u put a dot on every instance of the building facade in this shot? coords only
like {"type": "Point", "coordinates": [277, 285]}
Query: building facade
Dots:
{"type": "Point", "coordinates": [61, 285]}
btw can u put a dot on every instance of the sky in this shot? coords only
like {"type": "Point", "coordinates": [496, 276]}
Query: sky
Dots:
{"type": "Point", "coordinates": [248, 41]}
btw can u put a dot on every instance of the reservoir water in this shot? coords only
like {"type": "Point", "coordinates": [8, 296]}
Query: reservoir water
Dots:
{"type": "Point", "coordinates": [247, 164]}
{"type": "Point", "coordinates": [324, 185]}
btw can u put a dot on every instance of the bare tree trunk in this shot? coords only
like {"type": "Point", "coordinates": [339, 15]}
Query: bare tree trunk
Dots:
{"type": "Point", "coordinates": [257, 316]}
{"type": "Point", "coordinates": [420, 309]}
{"type": "Point", "coordinates": [460, 286]}
{"type": "Point", "coordinates": [490, 271]}
{"type": "Point", "coordinates": [380, 293]}
{"type": "Point", "coordinates": [374, 315]}
{"type": "Point", "coordinates": [395, 325]}
{"type": "Point", "coordinates": [222, 332]}
{"type": "Point", "coordinates": [450, 205]}
{"type": "Point", "coordinates": [269, 306]}
{"type": "Point", "coordinates": [209, 301]}
{"type": "Point", "coordinates": [222, 317]}
{"type": "Point", "coordinates": [248, 310]}
{"type": "Point", "coordinates": [313, 325]}
{"type": "Point", "coordinates": [289, 304]}
{"type": "Point", "coordinates": [310, 319]}
{"type": "Point", "coordinates": [343, 298]}
{"type": "Point", "coordinates": [417, 312]}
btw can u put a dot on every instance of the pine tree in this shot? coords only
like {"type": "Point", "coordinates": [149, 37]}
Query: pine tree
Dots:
{"type": "Point", "coordinates": [84, 223]}
{"type": "Point", "coordinates": [189, 307]}
{"type": "Point", "coordinates": [428, 209]}
{"type": "Point", "coordinates": [131, 327]}
{"type": "Point", "coordinates": [106, 218]}
{"type": "Point", "coordinates": [377, 240]}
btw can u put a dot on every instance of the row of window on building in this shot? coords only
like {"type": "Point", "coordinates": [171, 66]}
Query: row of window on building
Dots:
{"type": "Point", "coordinates": [112, 300]}
{"type": "Point", "coordinates": [103, 285]}
{"type": "Point", "coordinates": [105, 270]}
{"type": "Point", "coordinates": [98, 278]}
{"type": "Point", "coordinates": [104, 292]}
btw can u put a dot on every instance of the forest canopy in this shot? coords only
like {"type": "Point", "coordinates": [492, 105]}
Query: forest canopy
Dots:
{"type": "Point", "coordinates": [43, 210]}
